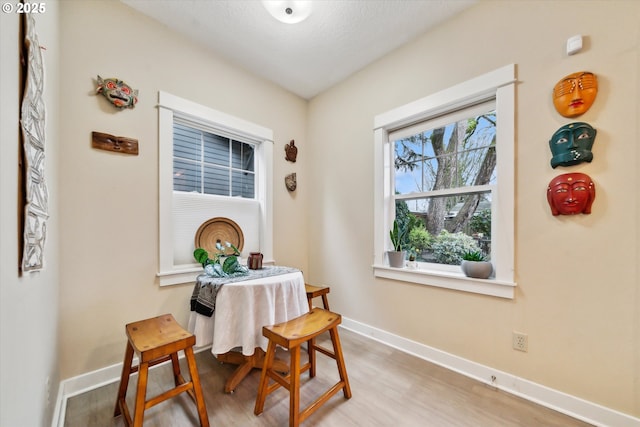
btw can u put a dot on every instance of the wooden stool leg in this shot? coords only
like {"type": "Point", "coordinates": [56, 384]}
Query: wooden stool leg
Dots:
{"type": "Point", "coordinates": [124, 379]}
{"type": "Point", "coordinates": [325, 301]}
{"type": "Point", "coordinates": [264, 378]}
{"type": "Point", "coordinates": [311, 349]}
{"type": "Point", "coordinates": [197, 388]}
{"type": "Point", "coordinates": [177, 376]}
{"type": "Point", "coordinates": [294, 388]}
{"type": "Point", "coordinates": [342, 370]}
{"type": "Point", "coordinates": [141, 394]}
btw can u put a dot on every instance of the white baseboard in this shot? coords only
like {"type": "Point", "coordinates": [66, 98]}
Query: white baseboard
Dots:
{"type": "Point", "coordinates": [92, 380]}
{"type": "Point", "coordinates": [570, 405]}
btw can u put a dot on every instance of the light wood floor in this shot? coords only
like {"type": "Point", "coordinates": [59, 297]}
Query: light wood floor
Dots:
{"type": "Point", "coordinates": [390, 388]}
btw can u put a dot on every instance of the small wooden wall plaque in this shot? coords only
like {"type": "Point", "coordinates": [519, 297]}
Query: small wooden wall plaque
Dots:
{"type": "Point", "coordinates": [119, 144]}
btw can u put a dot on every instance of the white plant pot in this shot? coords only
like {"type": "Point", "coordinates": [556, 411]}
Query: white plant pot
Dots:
{"type": "Point", "coordinates": [477, 269]}
{"type": "Point", "coordinates": [396, 258]}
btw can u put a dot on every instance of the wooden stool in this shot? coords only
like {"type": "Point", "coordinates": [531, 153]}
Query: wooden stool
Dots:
{"type": "Point", "coordinates": [291, 335]}
{"type": "Point", "coordinates": [317, 291]}
{"type": "Point", "coordinates": [155, 341]}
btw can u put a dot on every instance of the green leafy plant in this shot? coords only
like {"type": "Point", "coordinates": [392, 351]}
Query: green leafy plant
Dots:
{"type": "Point", "coordinates": [222, 263]}
{"type": "Point", "coordinates": [419, 238]}
{"type": "Point", "coordinates": [397, 235]}
{"type": "Point", "coordinates": [474, 256]}
{"type": "Point", "coordinates": [448, 248]}
{"type": "Point", "coordinates": [481, 222]}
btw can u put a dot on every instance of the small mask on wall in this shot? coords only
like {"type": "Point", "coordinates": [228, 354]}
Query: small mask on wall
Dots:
{"type": "Point", "coordinates": [117, 92]}
{"type": "Point", "coordinates": [571, 194]}
{"type": "Point", "coordinates": [571, 144]}
{"type": "Point", "coordinates": [575, 93]}
{"type": "Point", "coordinates": [290, 182]}
{"type": "Point", "coordinates": [291, 151]}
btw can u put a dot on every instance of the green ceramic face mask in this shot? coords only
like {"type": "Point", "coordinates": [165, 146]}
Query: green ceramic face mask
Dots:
{"type": "Point", "coordinates": [571, 144]}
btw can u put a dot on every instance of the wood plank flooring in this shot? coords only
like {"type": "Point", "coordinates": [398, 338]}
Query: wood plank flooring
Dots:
{"type": "Point", "coordinates": [390, 388]}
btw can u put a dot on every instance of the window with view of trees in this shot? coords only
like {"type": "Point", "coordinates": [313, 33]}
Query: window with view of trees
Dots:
{"type": "Point", "coordinates": [445, 172]}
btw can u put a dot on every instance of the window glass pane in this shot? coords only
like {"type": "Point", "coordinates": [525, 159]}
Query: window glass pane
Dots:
{"type": "Point", "coordinates": [417, 177]}
{"type": "Point", "coordinates": [458, 154]}
{"type": "Point", "coordinates": [243, 184]}
{"type": "Point", "coordinates": [477, 166]}
{"type": "Point", "coordinates": [216, 181]}
{"type": "Point", "coordinates": [441, 229]}
{"type": "Point", "coordinates": [186, 142]}
{"type": "Point", "coordinates": [212, 164]}
{"type": "Point", "coordinates": [186, 176]}
{"type": "Point", "coordinates": [242, 156]}
{"type": "Point", "coordinates": [216, 149]}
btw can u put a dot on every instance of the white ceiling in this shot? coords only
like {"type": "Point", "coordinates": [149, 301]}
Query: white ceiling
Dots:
{"type": "Point", "coordinates": [338, 39]}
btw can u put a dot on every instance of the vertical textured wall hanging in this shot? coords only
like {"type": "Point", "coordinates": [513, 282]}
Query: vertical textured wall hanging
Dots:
{"type": "Point", "coordinates": [32, 122]}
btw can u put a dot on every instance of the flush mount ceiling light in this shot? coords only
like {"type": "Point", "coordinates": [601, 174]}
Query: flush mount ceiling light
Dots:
{"type": "Point", "coordinates": [288, 11]}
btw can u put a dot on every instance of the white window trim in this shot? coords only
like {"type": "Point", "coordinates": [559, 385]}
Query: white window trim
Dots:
{"type": "Point", "coordinates": [498, 84]}
{"type": "Point", "coordinates": [170, 274]}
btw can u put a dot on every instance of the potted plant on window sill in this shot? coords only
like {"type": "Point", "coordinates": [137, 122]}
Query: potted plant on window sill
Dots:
{"type": "Point", "coordinates": [397, 255]}
{"type": "Point", "coordinates": [474, 264]}
{"type": "Point", "coordinates": [412, 263]}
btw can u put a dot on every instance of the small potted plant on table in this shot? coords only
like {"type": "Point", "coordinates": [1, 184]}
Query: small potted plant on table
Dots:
{"type": "Point", "coordinates": [221, 265]}
{"type": "Point", "coordinates": [474, 264]}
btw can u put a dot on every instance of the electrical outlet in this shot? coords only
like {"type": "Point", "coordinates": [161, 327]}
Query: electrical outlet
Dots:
{"type": "Point", "coordinates": [520, 341]}
{"type": "Point", "coordinates": [493, 383]}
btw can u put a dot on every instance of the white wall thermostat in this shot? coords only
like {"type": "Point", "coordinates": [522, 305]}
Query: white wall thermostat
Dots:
{"type": "Point", "coordinates": [574, 45]}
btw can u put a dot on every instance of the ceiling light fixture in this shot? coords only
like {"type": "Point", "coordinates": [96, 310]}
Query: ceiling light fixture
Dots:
{"type": "Point", "coordinates": [288, 11]}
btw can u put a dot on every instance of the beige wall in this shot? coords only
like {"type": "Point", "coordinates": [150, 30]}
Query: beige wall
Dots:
{"type": "Point", "coordinates": [109, 214]}
{"type": "Point", "coordinates": [29, 303]}
{"type": "Point", "coordinates": [578, 294]}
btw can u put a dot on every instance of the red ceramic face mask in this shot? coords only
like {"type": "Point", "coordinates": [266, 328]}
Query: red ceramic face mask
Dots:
{"type": "Point", "coordinates": [571, 194]}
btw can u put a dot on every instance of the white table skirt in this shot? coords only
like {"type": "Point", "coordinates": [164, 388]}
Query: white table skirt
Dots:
{"type": "Point", "coordinates": [243, 308]}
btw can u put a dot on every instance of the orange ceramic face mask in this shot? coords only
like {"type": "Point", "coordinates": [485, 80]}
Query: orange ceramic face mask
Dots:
{"type": "Point", "coordinates": [574, 94]}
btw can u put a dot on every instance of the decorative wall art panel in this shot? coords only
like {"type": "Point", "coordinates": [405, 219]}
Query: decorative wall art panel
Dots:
{"type": "Point", "coordinates": [291, 182]}
{"type": "Point", "coordinates": [117, 144]}
{"type": "Point", "coordinates": [291, 151]}
{"type": "Point", "coordinates": [32, 122]}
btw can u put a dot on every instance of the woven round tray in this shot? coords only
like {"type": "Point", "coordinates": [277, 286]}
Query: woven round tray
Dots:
{"type": "Point", "coordinates": [220, 230]}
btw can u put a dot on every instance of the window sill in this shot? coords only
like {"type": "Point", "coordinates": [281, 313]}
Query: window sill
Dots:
{"type": "Point", "coordinates": [179, 276]}
{"type": "Point", "coordinates": [456, 281]}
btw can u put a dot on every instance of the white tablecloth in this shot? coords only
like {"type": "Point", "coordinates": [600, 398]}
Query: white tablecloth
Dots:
{"type": "Point", "coordinates": [243, 308]}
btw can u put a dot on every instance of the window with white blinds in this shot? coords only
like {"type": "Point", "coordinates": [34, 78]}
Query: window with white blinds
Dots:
{"type": "Point", "coordinates": [207, 163]}
{"type": "Point", "coordinates": [211, 164]}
